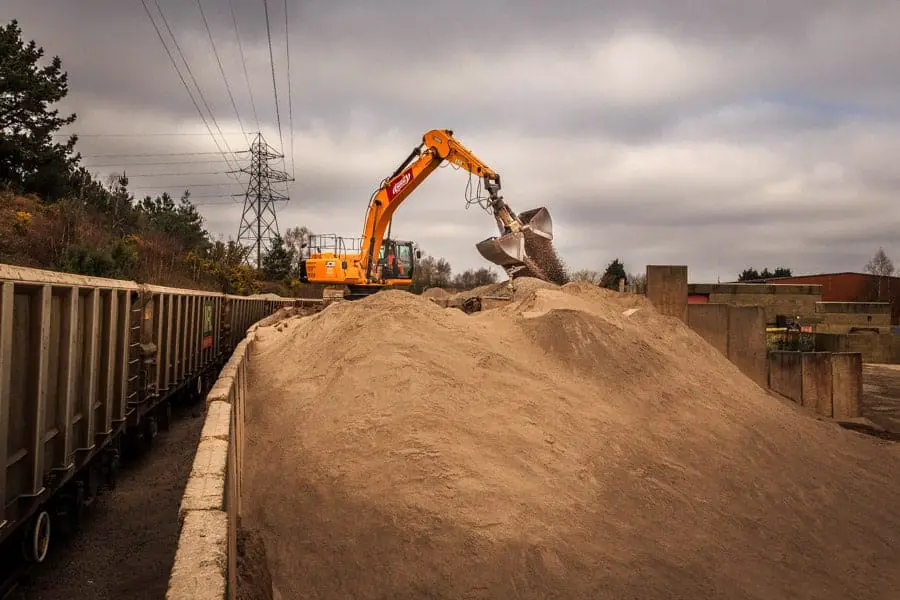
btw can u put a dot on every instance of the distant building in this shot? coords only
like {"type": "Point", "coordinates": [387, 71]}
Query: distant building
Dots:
{"type": "Point", "coordinates": [851, 287]}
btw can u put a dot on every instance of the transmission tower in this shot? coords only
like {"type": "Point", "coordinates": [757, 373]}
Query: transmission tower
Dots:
{"type": "Point", "coordinates": [259, 223]}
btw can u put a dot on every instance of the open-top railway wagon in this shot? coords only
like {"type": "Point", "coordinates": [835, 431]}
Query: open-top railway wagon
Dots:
{"type": "Point", "coordinates": [88, 368]}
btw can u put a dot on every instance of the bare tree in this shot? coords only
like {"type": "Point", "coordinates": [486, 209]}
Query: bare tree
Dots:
{"type": "Point", "coordinates": [295, 238]}
{"type": "Point", "coordinates": [638, 283]}
{"type": "Point", "coordinates": [587, 276]}
{"type": "Point", "coordinates": [880, 264]}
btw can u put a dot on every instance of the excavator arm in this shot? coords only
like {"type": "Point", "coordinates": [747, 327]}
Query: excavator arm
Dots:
{"type": "Point", "coordinates": [507, 250]}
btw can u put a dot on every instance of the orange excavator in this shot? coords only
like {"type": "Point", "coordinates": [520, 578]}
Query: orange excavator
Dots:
{"type": "Point", "coordinates": [357, 267]}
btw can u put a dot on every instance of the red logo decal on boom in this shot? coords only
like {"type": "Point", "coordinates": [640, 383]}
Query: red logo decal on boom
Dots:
{"type": "Point", "coordinates": [401, 182]}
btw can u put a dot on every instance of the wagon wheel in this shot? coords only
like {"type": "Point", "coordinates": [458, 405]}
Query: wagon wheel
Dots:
{"type": "Point", "coordinates": [36, 542]}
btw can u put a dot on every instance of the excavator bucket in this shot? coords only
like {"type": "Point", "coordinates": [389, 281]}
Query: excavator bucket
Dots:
{"type": "Point", "coordinates": [509, 250]}
{"type": "Point", "coordinates": [538, 221]}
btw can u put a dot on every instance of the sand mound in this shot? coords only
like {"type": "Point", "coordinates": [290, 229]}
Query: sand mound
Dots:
{"type": "Point", "coordinates": [523, 287]}
{"type": "Point", "coordinates": [565, 446]}
{"type": "Point", "coordinates": [436, 293]}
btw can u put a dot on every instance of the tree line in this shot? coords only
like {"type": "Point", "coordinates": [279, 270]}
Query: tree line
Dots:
{"type": "Point", "coordinates": [55, 214]}
{"type": "Point", "coordinates": [282, 262]}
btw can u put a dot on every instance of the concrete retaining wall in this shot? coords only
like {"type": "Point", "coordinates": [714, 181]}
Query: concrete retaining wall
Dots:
{"type": "Point", "coordinates": [786, 374]}
{"type": "Point", "coordinates": [667, 289]}
{"type": "Point", "coordinates": [882, 348]}
{"type": "Point", "coordinates": [747, 341]}
{"type": "Point", "coordinates": [775, 299]}
{"type": "Point", "coordinates": [738, 332]}
{"type": "Point", "coordinates": [205, 566]}
{"type": "Point", "coordinates": [829, 384]}
{"type": "Point", "coordinates": [711, 322]}
{"type": "Point", "coordinates": [816, 382]}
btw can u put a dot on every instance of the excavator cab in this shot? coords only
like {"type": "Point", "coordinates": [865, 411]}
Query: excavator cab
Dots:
{"type": "Point", "coordinates": [397, 259]}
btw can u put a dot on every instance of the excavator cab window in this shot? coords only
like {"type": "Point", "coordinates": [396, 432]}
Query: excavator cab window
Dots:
{"type": "Point", "coordinates": [388, 259]}
{"type": "Point", "coordinates": [396, 259]}
{"type": "Point", "coordinates": [404, 260]}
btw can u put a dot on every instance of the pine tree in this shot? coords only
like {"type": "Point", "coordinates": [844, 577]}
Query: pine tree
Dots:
{"type": "Point", "coordinates": [614, 272]}
{"type": "Point", "coordinates": [277, 262]}
{"type": "Point", "coordinates": [30, 161]}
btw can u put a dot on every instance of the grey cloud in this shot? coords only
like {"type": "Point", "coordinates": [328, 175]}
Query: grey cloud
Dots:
{"type": "Point", "coordinates": [795, 86]}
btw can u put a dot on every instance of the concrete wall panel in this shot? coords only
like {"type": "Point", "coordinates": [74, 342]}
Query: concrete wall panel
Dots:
{"type": "Point", "coordinates": [817, 384]}
{"type": "Point", "coordinates": [785, 374]}
{"type": "Point", "coordinates": [874, 347]}
{"type": "Point", "coordinates": [747, 341]}
{"type": "Point", "coordinates": [847, 384]}
{"type": "Point", "coordinates": [667, 289]}
{"type": "Point", "coordinates": [710, 321]}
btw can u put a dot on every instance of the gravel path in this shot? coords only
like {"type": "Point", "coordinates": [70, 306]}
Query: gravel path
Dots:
{"type": "Point", "coordinates": [126, 546]}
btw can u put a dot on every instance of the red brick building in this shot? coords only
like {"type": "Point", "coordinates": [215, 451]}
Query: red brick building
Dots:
{"type": "Point", "coordinates": [852, 287]}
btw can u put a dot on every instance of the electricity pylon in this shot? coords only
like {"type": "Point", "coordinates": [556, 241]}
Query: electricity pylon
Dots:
{"type": "Point", "coordinates": [259, 223]}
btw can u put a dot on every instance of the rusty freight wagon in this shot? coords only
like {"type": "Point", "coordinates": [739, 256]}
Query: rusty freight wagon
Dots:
{"type": "Point", "coordinates": [88, 368]}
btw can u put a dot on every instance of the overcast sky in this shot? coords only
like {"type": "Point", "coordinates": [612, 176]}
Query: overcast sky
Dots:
{"type": "Point", "coordinates": [655, 131]}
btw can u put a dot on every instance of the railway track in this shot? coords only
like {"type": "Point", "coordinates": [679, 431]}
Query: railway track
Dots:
{"type": "Point", "coordinates": [89, 368]}
{"type": "Point", "coordinates": [81, 558]}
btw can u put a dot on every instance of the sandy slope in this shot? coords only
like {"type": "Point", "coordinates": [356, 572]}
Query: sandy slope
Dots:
{"type": "Point", "coordinates": [552, 449]}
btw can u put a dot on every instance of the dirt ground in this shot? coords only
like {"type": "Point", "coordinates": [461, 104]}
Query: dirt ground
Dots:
{"type": "Point", "coordinates": [881, 396]}
{"type": "Point", "coordinates": [129, 538]}
{"type": "Point", "coordinates": [575, 444]}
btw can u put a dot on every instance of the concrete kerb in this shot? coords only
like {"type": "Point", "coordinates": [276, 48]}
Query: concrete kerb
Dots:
{"type": "Point", "coordinates": [205, 561]}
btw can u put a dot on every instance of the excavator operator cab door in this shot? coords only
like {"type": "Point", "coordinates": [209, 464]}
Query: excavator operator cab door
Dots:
{"type": "Point", "coordinates": [405, 260]}
{"type": "Point", "coordinates": [396, 259]}
{"type": "Point", "coordinates": [387, 259]}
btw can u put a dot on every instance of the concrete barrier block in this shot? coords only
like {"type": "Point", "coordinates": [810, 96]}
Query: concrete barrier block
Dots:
{"type": "Point", "coordinates": [218, 421]}
{"type": "Point", "coordinates": [667, 289]}
{"type": "Point", "coordinates": [710, 321]}
{"type": "Point", "coordinates": [205, 489]}
{"type": "Point", "coordinates": [817, 385]}
{"type": "Point", "coordinates": [846, 372]}
{"type": "Point", "coordinates": [222, 391]}
{"type": "Point", "coordinates": [198, 572]}
{"type": "Point", "coordinates": [747, 342]}
{"type": "Point", "coordinates": [785, 374]}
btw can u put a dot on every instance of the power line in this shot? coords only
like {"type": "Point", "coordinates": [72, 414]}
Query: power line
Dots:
{"type": "Point", "coordinates": [189, 185]}
{"type": "Point", "coordinates": [222, 70]}
{"type": "Point", "coordinates": [180, 76]}
{"type": "Point", "coordinates": [244, 62]}
{"type": "Point", "coordinates": [154, 164]}
{"type": "Point", "coordinates": [130, 175]}
{"type": "Point", "coordinates": [140, 134]}
{"type": "Point", "coordinates": [272, 63]}
{"type": "Point", "coordinates": [287, 45]}
{"type": "Point", "coordinates": [220, 202]}
{"type": "Point", "coordinates": [116, 155]}
{"type": "Point", "coordinates": [241, 195]}
{"type": "Point", "coordinates": [191, 74]}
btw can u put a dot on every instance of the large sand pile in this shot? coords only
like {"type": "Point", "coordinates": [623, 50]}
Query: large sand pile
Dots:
{"type": "Point", "coordinates": [522, 288]}
{"type": "Point", "coordinates": [554, 448]}
{"type": "Point", "coordinates": [436, 293]}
